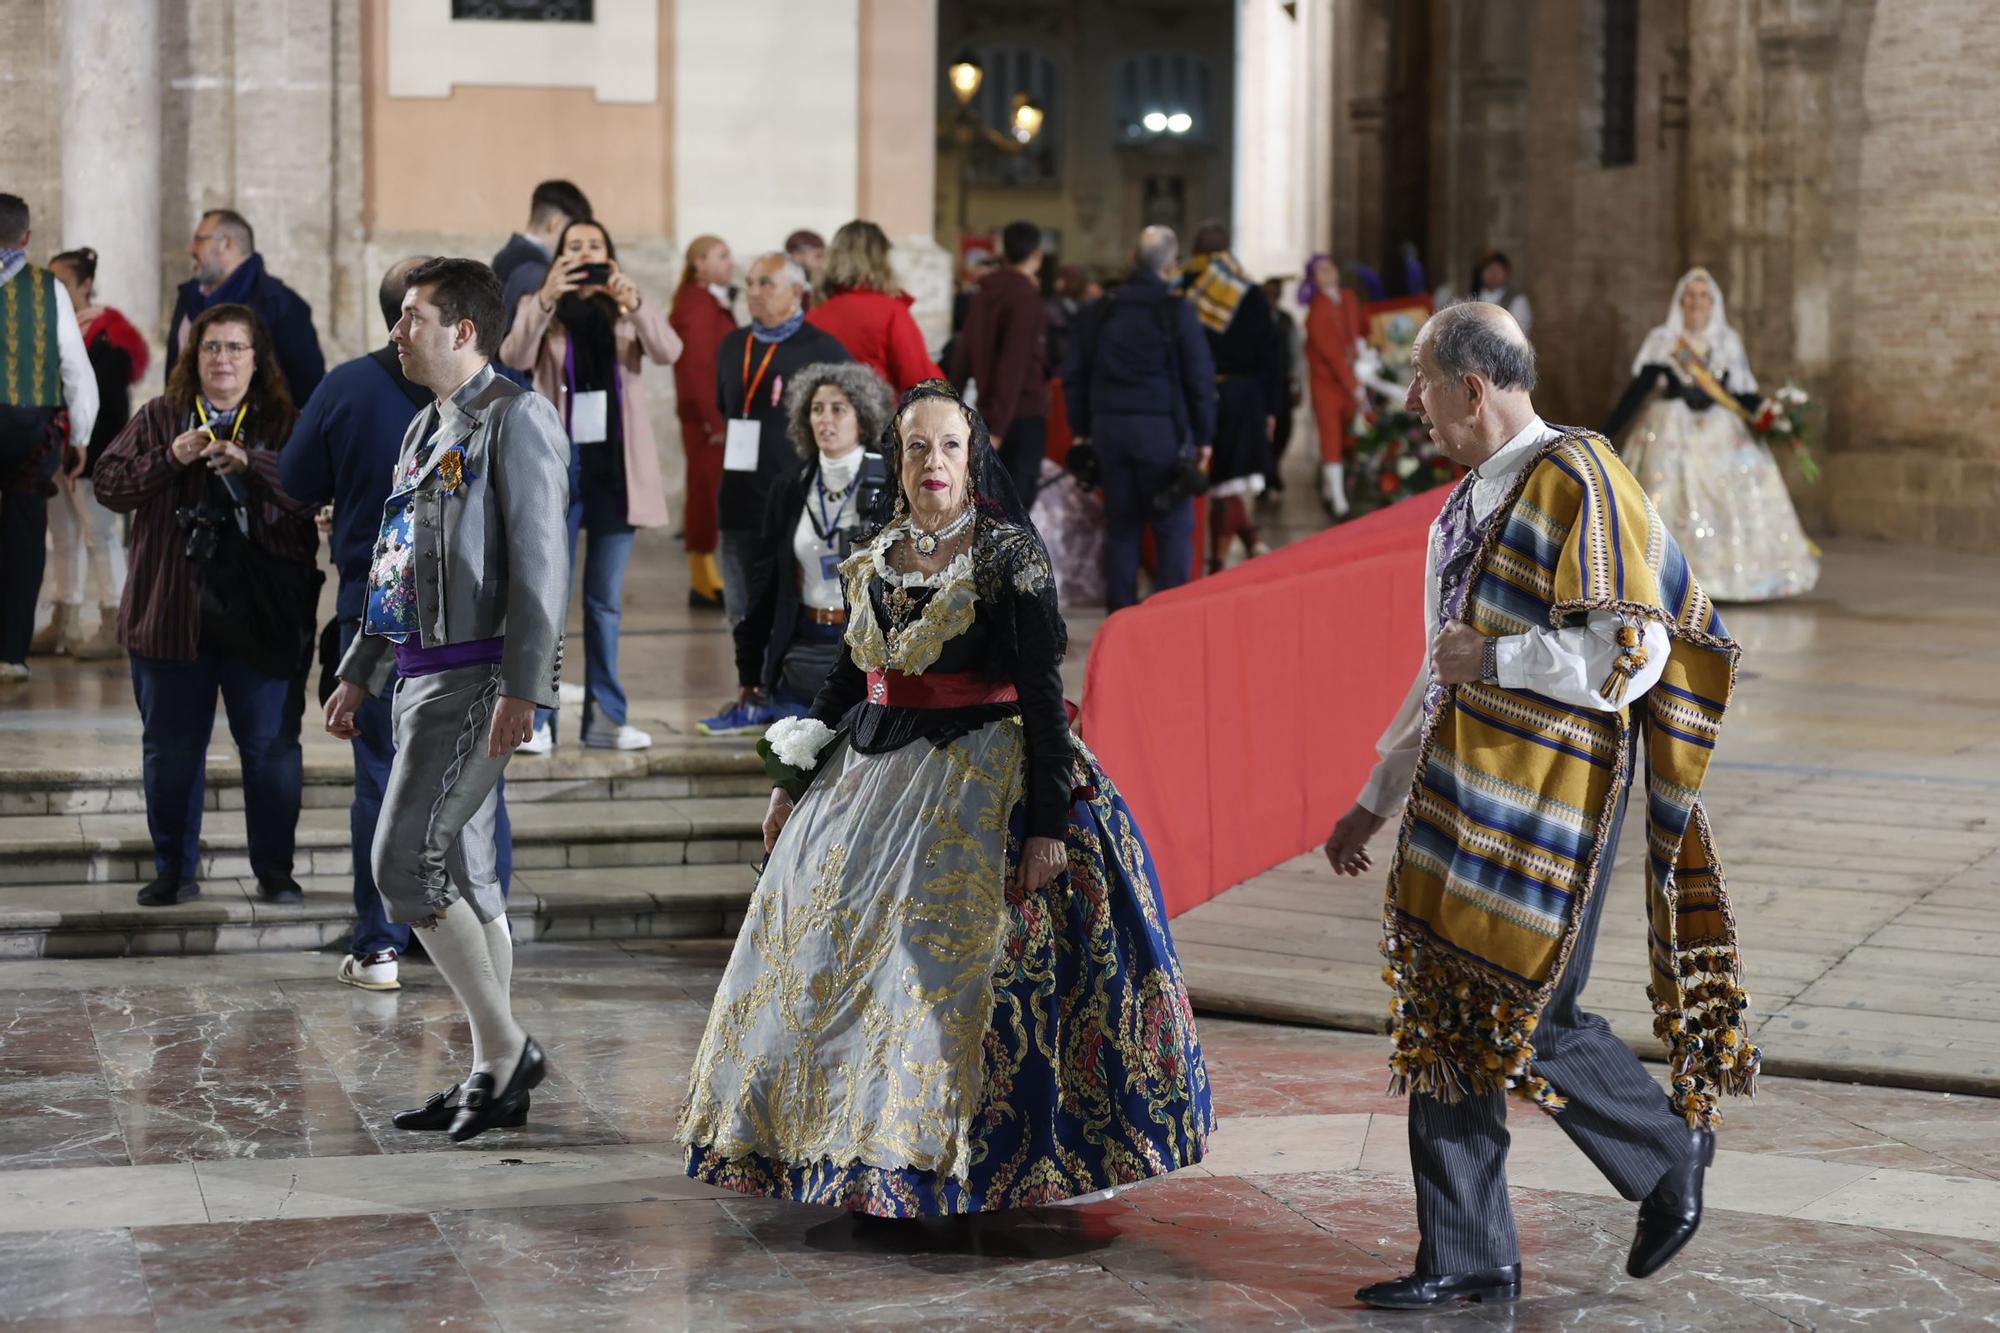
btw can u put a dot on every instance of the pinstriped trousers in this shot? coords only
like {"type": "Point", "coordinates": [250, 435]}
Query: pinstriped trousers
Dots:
{"type": "Point", "coordinates": [1616, 1113]}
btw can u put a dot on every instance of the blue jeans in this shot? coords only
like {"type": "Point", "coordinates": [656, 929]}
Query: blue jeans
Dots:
{"type": "Point", "coordinates": [177, 709]}
{"type": "Point", "coordinates": [374, 753]}
{"type": "Point", "coordinates": [1136, 458]}
{"type": "Point", "coordinates": [605, 556]}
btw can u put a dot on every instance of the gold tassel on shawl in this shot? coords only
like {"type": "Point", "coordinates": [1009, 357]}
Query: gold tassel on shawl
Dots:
{"type": "Point", "coordinates": [1630, 661]}
{"type": "Point", "coordinates": [1458, 1031]}
{"type": "Point", "coordinates": [1706, 1030]}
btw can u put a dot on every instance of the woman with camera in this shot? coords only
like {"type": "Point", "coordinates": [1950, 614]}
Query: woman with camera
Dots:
{"type": "Point", "coordinates": [586, 336]}
{"type": "Point", "coordinates": [790, 637]}
{"type": "Point", "coordinates": [197, 469]}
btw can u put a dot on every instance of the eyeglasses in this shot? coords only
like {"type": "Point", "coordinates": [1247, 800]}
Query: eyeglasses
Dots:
{"type": "Point", "coordinates": [230, 350]}
{"type": "Point", "coordinates": [200, 239]}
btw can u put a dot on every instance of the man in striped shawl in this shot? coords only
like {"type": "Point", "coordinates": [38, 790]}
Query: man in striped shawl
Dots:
{"type": "Point", "coordinates": [1564, 630]}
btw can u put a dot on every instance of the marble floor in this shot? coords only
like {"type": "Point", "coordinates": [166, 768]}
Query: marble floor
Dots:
{"type": "Point", "coordinates": [204, 1143]}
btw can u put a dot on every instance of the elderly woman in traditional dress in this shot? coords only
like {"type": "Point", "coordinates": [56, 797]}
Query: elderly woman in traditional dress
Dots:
{"type": "Point", "coordinates": [789, 638]}
{"type": "Point", "coordinates": [954, 991]}
{"type": "Point", "coordinates": [1718, 489]}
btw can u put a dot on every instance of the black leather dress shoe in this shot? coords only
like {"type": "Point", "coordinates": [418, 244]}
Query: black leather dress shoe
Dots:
{"type": "Point", "coordinates": [1420, 1291]}
{"type": "Point", "coordinates": [168, 890]}
{"type": "Point", "coordinates": [438, 1113]}
{"type": "Point", "coordinates": [283, 889]}
{"type": "Point", "coordinates": [1671, 1214]}
{"type": "Point", "coordinates": [485, 1107]}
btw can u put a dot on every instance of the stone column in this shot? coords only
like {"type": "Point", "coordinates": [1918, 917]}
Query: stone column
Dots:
{"type": "Point", "coordinates": [749, 165]}
{"type": "Point", "coordinates": [111, 149]}
{"type": "Point", "coordinates": [896, 183]}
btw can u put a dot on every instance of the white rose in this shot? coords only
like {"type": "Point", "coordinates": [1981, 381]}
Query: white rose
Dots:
{"type": "Point", "coordinates": [1406, 467]}
{"type": "Point", "coordinates": [797, 741]}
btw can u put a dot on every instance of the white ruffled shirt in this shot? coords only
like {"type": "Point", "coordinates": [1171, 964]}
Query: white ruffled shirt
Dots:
{"type": "Point", "coordinates": [1567, 665]}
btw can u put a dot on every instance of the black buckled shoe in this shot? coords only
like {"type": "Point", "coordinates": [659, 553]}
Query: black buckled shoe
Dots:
{"type": "Point", "coordinates": [1671, 1214]}
{"type": "Point", "coordinates": [485, 1107]}
{"type": "Point", "coordinates": [168, 890]}
{"type": "Point", "coordinates": [438, 1113]}
{"type": "Point", "coordinates": [1420, 1291]}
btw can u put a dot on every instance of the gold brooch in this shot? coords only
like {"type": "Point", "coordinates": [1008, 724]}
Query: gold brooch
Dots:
{"type": "Point", "coordinates": [451, 470]}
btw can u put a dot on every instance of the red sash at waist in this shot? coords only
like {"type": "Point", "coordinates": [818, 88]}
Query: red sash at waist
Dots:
{"type": "Point", "coordinates": [946, 689]}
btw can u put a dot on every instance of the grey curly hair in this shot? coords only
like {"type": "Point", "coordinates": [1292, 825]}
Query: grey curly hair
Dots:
{"type": "Point", "coordinates": [865, 392]}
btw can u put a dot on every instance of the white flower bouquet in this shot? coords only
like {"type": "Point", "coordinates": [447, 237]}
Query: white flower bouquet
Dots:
{"type": "Point", "coordinates": [791, 751]}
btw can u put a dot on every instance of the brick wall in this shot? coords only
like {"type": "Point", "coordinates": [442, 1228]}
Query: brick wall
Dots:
{"type": "Point", "coordinates": [1917, 456]}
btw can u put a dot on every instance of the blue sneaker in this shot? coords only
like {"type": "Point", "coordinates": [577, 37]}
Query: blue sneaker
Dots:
{"type": "Point", "coordinates": [739, 719]}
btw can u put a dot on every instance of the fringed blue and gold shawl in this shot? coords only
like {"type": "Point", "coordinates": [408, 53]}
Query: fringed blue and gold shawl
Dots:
{"type": "Point", "coordinates": [1515, 793]}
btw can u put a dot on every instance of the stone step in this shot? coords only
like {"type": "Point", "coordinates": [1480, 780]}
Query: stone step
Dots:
{"type": "Point", "coordinates": [548, 835]}
{"type": "Point", "coordinates": [103, 920]}
{"type": "Point", "coordinates": [674, 767]}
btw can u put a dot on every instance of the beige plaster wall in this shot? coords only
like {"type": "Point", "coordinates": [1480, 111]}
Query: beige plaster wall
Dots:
{"type": "Point", "coordinates": [468, 162]}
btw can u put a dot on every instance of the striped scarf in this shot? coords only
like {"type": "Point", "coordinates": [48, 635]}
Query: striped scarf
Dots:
{"type": "Point", "coordinates": [1216, 284]}
{"type": "Point", "coordinates": [1515, 795]}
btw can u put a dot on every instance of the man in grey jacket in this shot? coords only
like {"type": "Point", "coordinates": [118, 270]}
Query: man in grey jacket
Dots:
{"type": "Point", "coordinates": [466, 596]}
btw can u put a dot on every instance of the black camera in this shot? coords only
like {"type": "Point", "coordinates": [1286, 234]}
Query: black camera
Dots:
{"type": "Point", "coordinates": [592, 275]}
{"type": "Point", "coordinates": [1189, 483]}
{"type": "Point", "coordinates": [203, 526]}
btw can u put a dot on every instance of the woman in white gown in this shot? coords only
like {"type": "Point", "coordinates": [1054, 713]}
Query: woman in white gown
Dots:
{"type": "Point", "coordinates": [1713, 482]}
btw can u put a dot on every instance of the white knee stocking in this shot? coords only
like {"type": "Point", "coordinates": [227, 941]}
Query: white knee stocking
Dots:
{"type": "Point", "coordinates": [458, 944]}
{"type": "Point", "coordinates": [500, 948]}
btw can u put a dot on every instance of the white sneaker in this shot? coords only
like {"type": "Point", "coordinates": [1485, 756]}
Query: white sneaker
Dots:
{"type": "Point", "coordinates": [625, 738]}
{"type": "Point", "coordinates": [13, 673]}
{"type": "Point", "coordinates": [570, 694]}
{"type": "Point", "coordinates": [377, 971]}
{"type": "Point", "coordinates": [539, 743]}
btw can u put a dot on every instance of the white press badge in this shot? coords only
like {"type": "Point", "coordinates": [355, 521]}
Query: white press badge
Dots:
{"type": "Point", "coordinates": [743, 445]}
{"type": "Point", "coordinates": [589, 421]}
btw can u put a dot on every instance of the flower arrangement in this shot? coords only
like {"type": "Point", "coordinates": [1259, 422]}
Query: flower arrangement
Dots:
{"type": "Point", "coordinates": [1783, 421]}
{"type": "Point", "coordinates": [791, 751]}
{"type": "Point", "coordinates": [1393, 459]}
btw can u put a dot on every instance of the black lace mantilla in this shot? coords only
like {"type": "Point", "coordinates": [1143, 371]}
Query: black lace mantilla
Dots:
{"type": "Point", "coordinates": [1016, 582]}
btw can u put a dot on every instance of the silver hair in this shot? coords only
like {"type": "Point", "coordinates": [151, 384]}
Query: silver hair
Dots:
{"type": "Point", "coordinates": [865, 392]}
{"type": "Point", "coordinates": [790, 271]}
{"type": "Point", "coordinates": [1475, 338]}
{"type": "Point", "coordinates": [1159, 249]}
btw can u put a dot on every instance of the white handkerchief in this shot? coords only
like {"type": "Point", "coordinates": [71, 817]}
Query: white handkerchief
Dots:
{"type": "Point", "coordinates": [588, 420]}
{"type": "Point", "coordinates": [742, 447]}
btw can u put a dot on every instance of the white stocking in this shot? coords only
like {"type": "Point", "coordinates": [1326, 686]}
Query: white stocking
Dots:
{"type": "Point", "coordinates": [1333, 480]}
{"type": "Point", "coordinates": [500, 948]}
{"type": "Point", "coordinates": [458, 944]}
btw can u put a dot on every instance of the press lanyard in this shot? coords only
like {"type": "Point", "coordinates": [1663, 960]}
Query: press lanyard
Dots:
{"type": "Point", "coordinates": [826, 522]}
{"type": "Point", "coordinates": [201, 413]}
{"type": "Point", "coordinates": [750, 385]}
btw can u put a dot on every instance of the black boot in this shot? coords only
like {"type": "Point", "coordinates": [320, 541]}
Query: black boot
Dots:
{"type": "Point", "coordinates": [485, 1107]}
{"type": "Point", "coordinates": [168, 890]}
{"type": "Point", "coordinates": [1420, 1291]}
{"type": "Point", "coordinates": [1671, 1214]}
{"type": "Point", "coordinates": [280, 889]}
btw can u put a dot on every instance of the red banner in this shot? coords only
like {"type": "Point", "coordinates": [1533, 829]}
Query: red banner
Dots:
{"type": "Point", "coordinates": [1239, 715]}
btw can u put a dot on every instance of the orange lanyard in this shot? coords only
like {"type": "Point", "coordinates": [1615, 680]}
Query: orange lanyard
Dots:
{"type": "Point", "coordinates": [749, 384]}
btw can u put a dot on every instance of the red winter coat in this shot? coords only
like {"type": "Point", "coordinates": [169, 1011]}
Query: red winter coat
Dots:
{"type": "Point", "coordinates": [878, 330]}
{"type": "Point", "coordinates": [702, 322]}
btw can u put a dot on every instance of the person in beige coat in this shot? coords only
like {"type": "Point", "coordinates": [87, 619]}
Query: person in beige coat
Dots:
{"type": "Point", "coordinates": [586, 336]}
